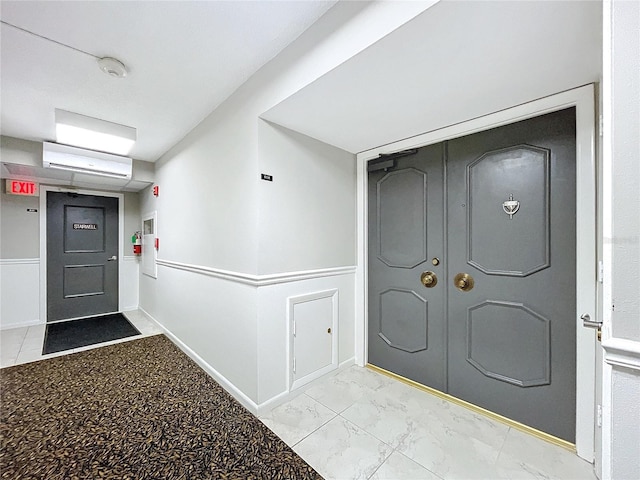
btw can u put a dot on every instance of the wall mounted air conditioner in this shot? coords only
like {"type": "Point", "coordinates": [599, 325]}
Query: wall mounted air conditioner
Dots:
{"type": "Point", "coordinates": [64, 157]}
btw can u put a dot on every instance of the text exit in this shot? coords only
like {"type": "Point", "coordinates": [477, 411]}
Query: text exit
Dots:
{"type": "Point", "coordinates": [21, 187]}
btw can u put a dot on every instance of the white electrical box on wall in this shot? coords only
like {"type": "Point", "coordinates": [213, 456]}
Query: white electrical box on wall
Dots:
{"type": "Point", "coordinates": [150, 244]}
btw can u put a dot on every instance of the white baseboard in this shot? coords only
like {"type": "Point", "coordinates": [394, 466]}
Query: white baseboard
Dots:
{"type": "Point", "coordinates": [347, 363]}
{"type": "Point", "coordinates": [226, 384]}
{"type": "Point", "coordinates": [284, 397]}
{"type": "Point", "coordinates": [276, 401]}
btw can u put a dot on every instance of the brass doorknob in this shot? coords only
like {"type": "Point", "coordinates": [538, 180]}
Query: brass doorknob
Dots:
{"type": "Point", "coordinates": [463, 282]}
{"type": "Point", "coordinates": [429, 279]}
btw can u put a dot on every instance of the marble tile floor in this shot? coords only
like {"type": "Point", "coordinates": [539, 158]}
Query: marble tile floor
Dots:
{"type": "Point", "coordinates": [24, 344]}
{"type": "Point", "coordinates": [360, 424]}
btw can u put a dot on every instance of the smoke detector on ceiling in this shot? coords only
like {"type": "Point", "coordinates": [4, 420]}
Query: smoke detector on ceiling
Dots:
{"type": "Point", "coordinates": [113, 67]}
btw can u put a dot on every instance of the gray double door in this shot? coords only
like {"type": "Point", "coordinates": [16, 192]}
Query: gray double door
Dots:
{"type": "Point", "coordinates": [472, 269]}
{"type": "Point", "coordinates": [82, 249]}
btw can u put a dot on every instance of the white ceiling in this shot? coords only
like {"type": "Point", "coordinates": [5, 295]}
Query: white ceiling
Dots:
{"type": "Point", "coordinates": [184, 59]}
{"type": "Point", "coordinates": [456, 61]}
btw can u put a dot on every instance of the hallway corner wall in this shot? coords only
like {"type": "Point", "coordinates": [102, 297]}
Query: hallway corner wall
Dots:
{"type": "Point", "coordinates": [207, 227]}
{"type": "Point", "coordinates": [216, 219]}
{"type": "Point", "coordinates": [212, 317]}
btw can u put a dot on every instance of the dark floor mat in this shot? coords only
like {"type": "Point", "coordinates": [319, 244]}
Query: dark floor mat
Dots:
{"type": "Point", "coordinates": [62, 336]}
{"type": "Point", "coordinates": [135, 410]}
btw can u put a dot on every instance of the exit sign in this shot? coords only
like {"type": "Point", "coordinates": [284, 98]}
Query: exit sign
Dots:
{"type": "Point", "coordinates": [22, 187]}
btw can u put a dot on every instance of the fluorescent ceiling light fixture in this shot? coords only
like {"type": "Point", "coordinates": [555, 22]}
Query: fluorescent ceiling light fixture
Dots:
{"type": "Point", "coordinates": [88, 132]}
{"type": "Point", "coordinates": [64, 157]}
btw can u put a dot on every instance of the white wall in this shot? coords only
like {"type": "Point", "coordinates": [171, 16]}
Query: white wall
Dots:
{"type": "Point", "coordinates": [19, 229]}
{"type": "Point", "coordinates": [625, 158]}
{"type": "Point", "coordinates": [207, 203]}
{"type": "Point", "coordinates": [308, 212]}
{"type": "Point", "coordinates": [19, 292]}
{"type": "Point", "coordinates": [621, 240]}
{"type": "Point", "coordinates": [19, 261]}
{"type": "Point", "coordinates": [625, 446]}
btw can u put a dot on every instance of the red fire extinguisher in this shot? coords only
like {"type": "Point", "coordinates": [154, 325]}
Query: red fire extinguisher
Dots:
{"type": "Point", "coordinates": [136, 239]}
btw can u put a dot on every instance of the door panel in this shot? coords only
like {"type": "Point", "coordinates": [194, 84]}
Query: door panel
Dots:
{"type": "Point", "coordinates": [406, 320]}
{"type": "Point", "coordinates": [508, 343]}
{"type": "Point", "coordinates": [525, 359]}
{"type": "Point", "coordinates": [83, 280]}
{"type": "Point", "coordinates": [402, 218]}
{"type": "Point", "coordinates": [524, 291]}
{"type": "Point", "coordinates": [522, 173]}
{"type": "Point", "coordinates": [82, 234]}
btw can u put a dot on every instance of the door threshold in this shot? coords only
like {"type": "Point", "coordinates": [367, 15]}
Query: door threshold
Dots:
{"type": "Point", "coordinates": [48, 322]}
{"type": "Point", "coordinates": [475, 408]}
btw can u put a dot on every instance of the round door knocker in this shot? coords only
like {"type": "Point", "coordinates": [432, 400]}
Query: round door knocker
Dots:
{"type": "Point", "coordinates": [511, 206]}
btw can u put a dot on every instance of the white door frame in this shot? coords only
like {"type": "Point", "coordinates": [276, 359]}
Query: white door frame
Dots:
{"type": "Point", "coordinates": [43, 240]}
{"type": "Point", "coordinates": [583, 98]}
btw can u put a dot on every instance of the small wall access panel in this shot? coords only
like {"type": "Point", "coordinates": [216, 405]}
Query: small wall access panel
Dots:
{"type": "Point", "coordinates": [313, 321]}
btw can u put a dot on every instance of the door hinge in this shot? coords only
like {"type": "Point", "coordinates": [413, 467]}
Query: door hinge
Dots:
{"type": "Point", "coordinates": [599, 416]}
{"type": "Point", "coordinates": [600, 125]}
{"type": "Point", "coordinates": [294, 364]}
{"type": "Point", "coordinates": [600, 271]}
{"type": "Point", "coordinates": [294, 328]}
